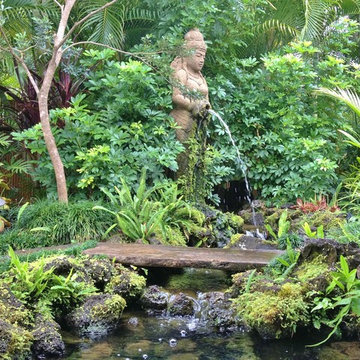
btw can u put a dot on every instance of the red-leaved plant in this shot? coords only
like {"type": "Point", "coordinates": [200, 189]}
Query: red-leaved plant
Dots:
{"type": "Point", "coordinates": [313, 206]}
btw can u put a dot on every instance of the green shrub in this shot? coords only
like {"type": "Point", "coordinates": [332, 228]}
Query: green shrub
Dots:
{"type": "Point", "coordinates": [121, 125]}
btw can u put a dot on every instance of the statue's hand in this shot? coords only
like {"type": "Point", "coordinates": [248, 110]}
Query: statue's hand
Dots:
{"type": "Point", "coordinates": [201, 108]}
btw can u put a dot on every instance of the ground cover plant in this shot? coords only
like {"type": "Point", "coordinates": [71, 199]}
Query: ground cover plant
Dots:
{"type": "Point", "coordinates": [48, 223]}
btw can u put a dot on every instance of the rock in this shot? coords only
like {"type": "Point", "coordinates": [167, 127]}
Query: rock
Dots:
{"type": "Point", "coordinates": [331, 250]}
{"type": "Point", "coordinates": [63, 265]}
{"type": "Point", "coordinates": [97, 351]}
{"type": "Point", "coordinates": [99, 315]}
{"type": "Point", "coordinates": [216, 308]}
{"type": "Point", "coordinates": [126, 283]}
{"type": "Point", "coordinates": [15, 341]}
{"type": "Point", "coordinates": [181, 305]}
{"type": "Point", "coordinates": [15, 338]}
{"type": "Point", "coordinates": [239, 281]}
{"type": "Point", "coordinates": [99, 270]}
{"type": "Point", "coordinates": [47, 339]}
{"type": "Point", "coordinates": [249, 242]}
{"type": "Point", "coordinates": [154, 299]}
{"type": "Point", "coordinates": [340, 350]}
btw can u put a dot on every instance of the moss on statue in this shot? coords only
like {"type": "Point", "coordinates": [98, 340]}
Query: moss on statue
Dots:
{"type": "Point", "coordinates": [193, 164]}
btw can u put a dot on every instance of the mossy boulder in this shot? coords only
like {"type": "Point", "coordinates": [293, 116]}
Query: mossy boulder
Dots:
{"type": "Point", "coordinates": [181, 305]}
{"type": "Point", "coordinates": [331, 250]}
{"type": "Point", "coordinates": [239, 282]}
{"type": "Point", "coordinates": [63, 265]}
{"type": "Point", "coordinates": [99, 270]}
{"type": "Point", "coordinates": [216, 309]}
{"type": "Point", "coordinates": [235, 221]}
{"type": "Point", "coordinates": [249, 242]}
{"type": "Point", "coordinates": [47, 339]}
{"type": "Point", "coordinates": [15, 341]}
{"type": "Point", "coordinates": [127, 283]}
{"type": "Point", "coordinates": [315, 273]}
{"type": "Point", "coordinates": [99, 315]}
{"type": "Point", "coordinates": [11, 309]}
{"type": "Point", "coordinates": [275, 313]}
{"type": "Point", "coordinates": [155, 300]}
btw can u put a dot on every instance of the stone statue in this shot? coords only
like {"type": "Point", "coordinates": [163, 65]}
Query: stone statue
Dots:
{"type": "Point", "coordinates": [187, 72]}
{"type": "Point", "coordinates": [191, 102]}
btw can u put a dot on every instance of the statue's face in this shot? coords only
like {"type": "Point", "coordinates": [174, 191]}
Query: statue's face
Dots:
{"type": "Point", "coordinates": [195, 61]}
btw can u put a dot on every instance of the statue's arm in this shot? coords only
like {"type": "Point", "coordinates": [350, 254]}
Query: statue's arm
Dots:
{"type": "Point", "coordinates": [179, 100]}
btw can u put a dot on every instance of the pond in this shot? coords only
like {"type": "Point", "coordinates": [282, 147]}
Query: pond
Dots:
{"type": "Point", "coordinates": [189, 338]}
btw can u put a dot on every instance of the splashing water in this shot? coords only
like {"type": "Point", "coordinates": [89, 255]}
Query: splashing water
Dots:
{"type": "Point", "coordinates": [241, 162]}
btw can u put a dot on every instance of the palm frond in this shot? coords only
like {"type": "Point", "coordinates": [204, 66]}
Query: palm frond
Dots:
{"type": "Point", "coordinates": [106, 26]}
{"type": "Point", "coordinates": [17, 14]}
{"type": "Point", "coordinates": [315, 14]}
{"type": "Point", "coordinates": [276, 24]}
{"type": "Point", "coordinates": [348, 97]}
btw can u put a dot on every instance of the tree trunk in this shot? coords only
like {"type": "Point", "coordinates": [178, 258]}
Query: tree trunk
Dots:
{"type": "Point", "coordinates": [51, 147]}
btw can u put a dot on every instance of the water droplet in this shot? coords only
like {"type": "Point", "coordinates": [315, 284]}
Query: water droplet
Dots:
{"type": "Point", "coordinates": [145, 356]}
{"type": "Point", "coordinates": [160, 339]}
{"type": "Point", "coordinates": [183, 333]}
{"type": "Point", "coordinates": [173, 342]}
{"type": "Point", "coordinates": [140, 350]}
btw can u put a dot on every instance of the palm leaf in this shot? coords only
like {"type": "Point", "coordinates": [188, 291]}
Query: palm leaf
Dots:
{"type": "Point", "coordinates": [315, 15]}
{"type": "Point", "coordinates": [106, 26]}
{"type": "Point", "coordinates": [349, 97]}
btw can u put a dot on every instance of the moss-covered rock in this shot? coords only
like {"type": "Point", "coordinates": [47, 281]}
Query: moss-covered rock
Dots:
{"type": "Point", "coordinates": [47, 341]}
{"type": "Point", "coordinates": [326, 218]}
{"type": "Point", "coordinates": [15, 341]}
{"type": "Point", "coordinates": [331, 250]}
{"type": "Point", "coordinates": [275, 314]}
{"type": "Point", "coordinates": [314, 273]}
{"type": "Point", "coordinates": [99, 270]}
{"type": "Point", "coordinates": [155, 300]}
{"type": "Point", "coordinates": [239, 281]}
{"type": "Point", "coordinates": [99, 315]}
{"type": "Point", "coordinates": [11, 309]}
{"type": "Point", "coordinates": [235, 221]}
{"type": "Point", "coordinates": [181, 305]}
{"type": "Point", "coordinates": [126, 283]}
{"type": "Point", "coordinates": [249, 242]}
{"type": "Point", "coordinates": [217, 310]}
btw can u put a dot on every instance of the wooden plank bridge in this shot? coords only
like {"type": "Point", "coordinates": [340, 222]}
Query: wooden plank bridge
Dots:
{"type": "Point", "coordinates": [179, 257]}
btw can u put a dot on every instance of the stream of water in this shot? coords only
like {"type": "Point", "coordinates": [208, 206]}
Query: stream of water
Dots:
{"type": "Point", "coordinates": [241, 162]}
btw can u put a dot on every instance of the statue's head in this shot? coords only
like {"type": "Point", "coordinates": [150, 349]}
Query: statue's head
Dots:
{"type": "Point", "coordinates": [194, 40]}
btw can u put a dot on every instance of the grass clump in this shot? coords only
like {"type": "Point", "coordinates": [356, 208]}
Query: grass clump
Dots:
{"type": "Point", "coordinates": [64, 223]}
{"type": "Point", "coordinates": [47, 223]}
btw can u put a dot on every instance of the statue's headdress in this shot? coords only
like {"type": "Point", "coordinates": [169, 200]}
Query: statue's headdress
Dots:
{"type": "Point", "coordinates": [195, 40]}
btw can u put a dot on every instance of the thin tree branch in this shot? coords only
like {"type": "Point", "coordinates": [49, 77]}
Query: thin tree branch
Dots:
{"type": "Point", "coordinates": [18, 58]}
{"type": "Point", "coordinates": [135, 55]}
{"type": "Point", "coordinates": [78, 23]}
{"type": "Point", "coordinates": [111, 48]}
{"type": "Point", "coordinates": [60, 6]}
